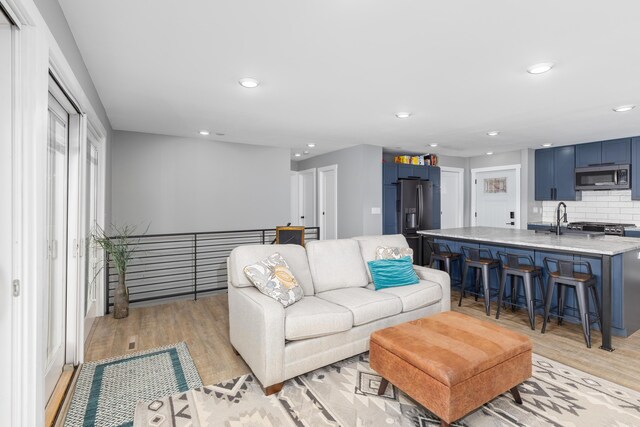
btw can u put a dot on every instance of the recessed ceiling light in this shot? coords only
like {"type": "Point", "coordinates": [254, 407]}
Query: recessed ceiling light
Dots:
{"type": "Point", "coordinates": [248, 82]}
{"type": "Point", "coordinates": [548, 144]}
{"type": "Point", "coordinates": [305, 152]}
{"type": "Point", "coordinates": [489, 153]}
{"type": "Point", "coordinates": [623, 108]}
{"type": "Point", "coordinates": [403, 115]}
{"type": "Point", "coordinates": [540, 68]}
{"type": "Point", "coordinates": [297, 155]}
{"type": "Point", "coordinates": [493, 133]}
{"type": "Point", "coordinates": [204, 132]}
{"type": "Point", "coordinates": [311, 145]}
{"type": "Point", "coordinates": [433, 145]}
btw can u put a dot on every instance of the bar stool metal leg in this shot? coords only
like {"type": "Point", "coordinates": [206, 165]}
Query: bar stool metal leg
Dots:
{"type": "Point", "coordinates": [487, 289]}
{"type": "Point", "coordinates": [562, 293]}
{"type": "Point", "coordinates": [596, 299]}
{"type": "Point", "coordinates": [529, 294]}
{"type": "Point", "coordinates": [503, 279]}
{"type": "Point", "coordinates": [583, 309]}
{"type": "Point", "coordinates": [547, 306]}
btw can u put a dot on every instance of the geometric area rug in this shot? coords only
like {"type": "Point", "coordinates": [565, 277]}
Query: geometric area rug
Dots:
{"type": "Point", "coordinates": [107, 391]}
{"type": "Point", "coordinates": [345, 394]}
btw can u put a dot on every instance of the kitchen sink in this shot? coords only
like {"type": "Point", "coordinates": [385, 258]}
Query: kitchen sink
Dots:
{"type": "Point", "coordinates": [571, 233]}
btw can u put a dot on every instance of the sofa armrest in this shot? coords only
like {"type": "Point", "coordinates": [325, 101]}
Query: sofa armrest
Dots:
{"type": "Point", "coordinates": [256, 331]}
{"type": "Point", "coordinates": [440, 277]}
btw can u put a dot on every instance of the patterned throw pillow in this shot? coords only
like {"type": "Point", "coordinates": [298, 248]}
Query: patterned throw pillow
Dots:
{"type": "Point", "coordinates": [383, 252]}
{"type": "Point", "coordinates": [273, 278]}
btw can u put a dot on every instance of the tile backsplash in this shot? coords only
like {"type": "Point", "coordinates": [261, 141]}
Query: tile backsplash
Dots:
{"type": "Point", "coordinates": [599, 206]}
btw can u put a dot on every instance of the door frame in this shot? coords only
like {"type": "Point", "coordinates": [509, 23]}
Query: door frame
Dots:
{"type": "Point", "coordinates": [313, 172]}
{"type": "Point", "coordinates": [321, 171]}
{"type": "Point", "coordinates": [474, 173]}
{"type": "Point", "coordinates": [460, 172]}
{"type": "Point", "coordinates": [35, 54]}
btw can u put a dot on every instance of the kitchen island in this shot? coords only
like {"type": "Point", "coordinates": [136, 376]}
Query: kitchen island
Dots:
{"type": "Point", "coordinates": [615, 262]}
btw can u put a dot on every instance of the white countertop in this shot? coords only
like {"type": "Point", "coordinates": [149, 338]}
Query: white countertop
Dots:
{"type": "Point", "coordinates": [603, 245]}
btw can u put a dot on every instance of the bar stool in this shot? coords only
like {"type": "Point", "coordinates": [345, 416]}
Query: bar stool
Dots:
{"type": "Point", "coordinates": [520, 266]}
{"type": "Point", "coordinates": [442, 254]}
{"type": "Point", "coordinates": [481, 260]}
{"type": "Point", "coordinates": [567, 273]}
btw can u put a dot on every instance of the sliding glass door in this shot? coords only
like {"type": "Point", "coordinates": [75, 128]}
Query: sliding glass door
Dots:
{"type": "Point", "coordinates": [55, 291]}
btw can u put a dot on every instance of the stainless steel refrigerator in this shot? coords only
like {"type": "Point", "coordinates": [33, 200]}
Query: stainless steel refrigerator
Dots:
{"type": "Point", "coordinates": [416, 211]}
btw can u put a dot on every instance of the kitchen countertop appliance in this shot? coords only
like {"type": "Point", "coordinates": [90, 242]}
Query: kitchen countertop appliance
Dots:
{"type": "Point", "coordinates": [610, 229]}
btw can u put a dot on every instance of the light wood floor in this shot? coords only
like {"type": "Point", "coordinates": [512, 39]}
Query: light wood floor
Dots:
{"type": "Point", "coordinates": [204, 325]}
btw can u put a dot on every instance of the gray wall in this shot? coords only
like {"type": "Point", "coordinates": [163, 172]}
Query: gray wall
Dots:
{"type": "Point", "coordinates": [57, 23]}
{"type": "Point", "coordinates": [359, 187]}
{"type": "Point", "coordinates": [184, 184]}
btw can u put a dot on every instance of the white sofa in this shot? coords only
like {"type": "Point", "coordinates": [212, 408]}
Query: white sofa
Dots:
{"type": "Point", "coordinates": [339, 311]}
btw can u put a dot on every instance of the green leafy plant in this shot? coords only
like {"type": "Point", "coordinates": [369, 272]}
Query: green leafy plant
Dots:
{"type": "Point", "coordinates": [120, 246]}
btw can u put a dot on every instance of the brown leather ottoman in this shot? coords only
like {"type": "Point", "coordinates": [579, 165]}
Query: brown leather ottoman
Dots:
{"type": "Point", "coordinates": [451, 363]}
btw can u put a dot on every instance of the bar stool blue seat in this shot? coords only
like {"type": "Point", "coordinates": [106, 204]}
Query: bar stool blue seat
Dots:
{"type": "Point", "coordinates": [577, 275]}
{"type": "Point", "coordinates": [515, 266]}
{"type": "Point", "coordinates": [481, 260]}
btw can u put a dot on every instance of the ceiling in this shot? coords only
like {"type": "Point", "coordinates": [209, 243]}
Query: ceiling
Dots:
{"type": "Point", "coordinates": [335, 72]}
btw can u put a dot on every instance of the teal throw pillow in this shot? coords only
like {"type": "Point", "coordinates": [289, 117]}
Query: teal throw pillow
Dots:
{"type": "Point", "coordinates": [390, 273]}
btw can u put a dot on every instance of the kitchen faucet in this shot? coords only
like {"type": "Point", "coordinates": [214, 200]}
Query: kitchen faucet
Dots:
{"type": "Point", "coordinates": [558, 217]}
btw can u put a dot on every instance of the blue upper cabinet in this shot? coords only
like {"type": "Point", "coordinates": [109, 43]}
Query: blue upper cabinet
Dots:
{"type": "Point", "coordinates": [617, 151]}
{"type": "Point", "coordinates": [635, 168]}
{"type": "Point", "coordinates": [588, 154]}
{"type": "Point", "coordinates": [564, 172]}
{"type": "Point", "coordinates": [544, 174]}
{"type": "Point", "coordinates": [405, 171]}
{"type": "Point", "coordinates": [389, 173]}
{"type": "Point", "coordinates": [555, 173]}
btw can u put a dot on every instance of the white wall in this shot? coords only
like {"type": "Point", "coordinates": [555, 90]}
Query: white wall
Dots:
{"type": "Point", "coordinates": [187, 184]}
{"type": "Point", "coordinates": [359, 187]}
{"type": "Point", "coordinates": [599, 206]}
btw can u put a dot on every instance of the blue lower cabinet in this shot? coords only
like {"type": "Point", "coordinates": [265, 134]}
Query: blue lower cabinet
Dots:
{"type": "Point", "coordinates": [389, 209]}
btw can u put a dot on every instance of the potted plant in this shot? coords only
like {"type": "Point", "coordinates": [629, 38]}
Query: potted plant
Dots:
{"type": "Point", "coordinates": [120, 247]}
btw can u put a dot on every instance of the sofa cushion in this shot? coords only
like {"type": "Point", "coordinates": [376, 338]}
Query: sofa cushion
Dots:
{"type": "Point", "coordinates": [365, 305]}
{"type": "Point", "coordinates": [389, 273]}
{"type": "Point", "coordinates": [294, 255]}
{"type": "Point", "coordinates": [336, 264]}
{"type": "Point", "coordinates": [369, 244]}
{"type": "Point", "coordinates": [416, 296]}
{"type": "Point", "coordinates": [315, 317]}
{"type": "Point", "coordinates": [393, 252]}
{"type": "Point", "coordinates": [272, 276]}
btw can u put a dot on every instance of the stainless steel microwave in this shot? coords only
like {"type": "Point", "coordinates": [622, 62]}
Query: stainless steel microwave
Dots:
{"type": "Point", "coordinates": [603, 177]}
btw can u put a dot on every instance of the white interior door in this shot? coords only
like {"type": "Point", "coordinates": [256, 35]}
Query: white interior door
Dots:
{"type": "Point", "coordinates": [307, 197]}
{"type": "Point", "coordinates": [6, 217]}
{"type": "Point", "coordinates": [328, 202]}
{"type": "Point", "coordinates": [295, 198]}
{"type": "Point", "coordinates": [55, 291]}
{"type": "Point", "coordinates": [452, 197]}
{"type": "Point", "coordinates": [496, 198]}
